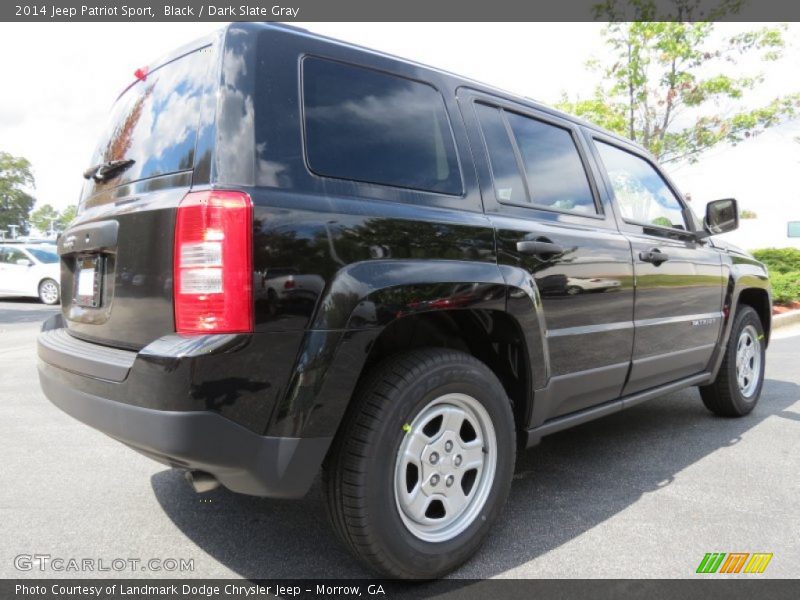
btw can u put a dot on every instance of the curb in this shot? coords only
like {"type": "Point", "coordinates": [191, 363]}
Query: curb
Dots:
{"type": "Point", "coordinates": [788, 318]}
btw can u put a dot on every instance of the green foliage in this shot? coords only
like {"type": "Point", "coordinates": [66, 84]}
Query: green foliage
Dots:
{"type": "Point", "coordinates": [779, 260]}
{"type": "Point", "coordinates": [66, 217]}
{"type": "Point", "coordinates": [15, 203]}
{"type": "Point", "coordinates": [42, 217]}
{"type": "Point", "coordinates": [747, 214]}
{"type": "Point", "coordinates": [660, 10]}
{"type": "Point", "coordinates": [676, 87]}
{"type": "Point", "coordinates": [662, 221]}
{"type": "Point", "coordinates": [785, 287]}
{"type": "Point", "coordinates": [46, 216]}
{"type": "Point", "coordinates": [784, 272]}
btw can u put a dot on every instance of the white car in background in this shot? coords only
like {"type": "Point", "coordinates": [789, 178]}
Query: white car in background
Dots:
{"type": "Point", "coordinates": [580, 285]}
{"type": "Point", "coordinates": [30, 270]}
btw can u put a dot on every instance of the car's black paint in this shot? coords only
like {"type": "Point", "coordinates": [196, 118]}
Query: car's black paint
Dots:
{"type": "Point", "coordinates": [243, 461]}
{"type": "Point", "coordinates": [582, 332]}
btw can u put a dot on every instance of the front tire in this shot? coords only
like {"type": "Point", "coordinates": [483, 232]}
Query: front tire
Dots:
{"type": "Point", "coordinates": [737, 388]}
{"type": "Point", "coordinates": [423, 463]}
{"type": "Point", "coordinates": [49, 292]}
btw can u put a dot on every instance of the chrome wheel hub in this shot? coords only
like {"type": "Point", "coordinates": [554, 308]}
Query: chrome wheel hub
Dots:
{"type": "Point", "coordinates": [748, 361]}
{"type": "Point", "coordinates": [445, 467]}
{"type": "Point", "coordinates": [49, 292]}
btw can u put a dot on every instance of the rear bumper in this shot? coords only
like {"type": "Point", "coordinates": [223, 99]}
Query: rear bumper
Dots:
{"type": "Point", "coordinates": [74, 378]}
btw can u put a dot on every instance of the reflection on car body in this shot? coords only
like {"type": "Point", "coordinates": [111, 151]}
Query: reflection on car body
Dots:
{"type": "Point", "coordinates": [578, 285]}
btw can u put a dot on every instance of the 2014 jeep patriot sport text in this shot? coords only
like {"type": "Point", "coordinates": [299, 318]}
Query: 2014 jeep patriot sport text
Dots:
{"type": "Point", "coordinates": [296, 254]}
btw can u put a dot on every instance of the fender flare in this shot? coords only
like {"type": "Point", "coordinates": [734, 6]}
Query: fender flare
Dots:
{"type": "Point", "coordinates": [744, 273]}
{"type": "Point", "coordinates": [366, 297]}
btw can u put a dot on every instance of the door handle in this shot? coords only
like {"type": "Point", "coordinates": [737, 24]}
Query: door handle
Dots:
{"type": "Point", "coordinates": [539, 248]}
{"type": "Point", "coordinates": [654, 255]}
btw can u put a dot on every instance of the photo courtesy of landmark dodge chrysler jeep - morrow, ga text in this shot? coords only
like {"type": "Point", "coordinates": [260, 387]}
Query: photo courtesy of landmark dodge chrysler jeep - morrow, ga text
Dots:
{"type": "Point", "coordinates": [293, 254]}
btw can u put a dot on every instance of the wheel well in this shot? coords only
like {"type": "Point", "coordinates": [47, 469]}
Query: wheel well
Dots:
{"type": "Point", "coordinates": [493, 337]}
{"type": "Point", "coordinates": [759, 301]}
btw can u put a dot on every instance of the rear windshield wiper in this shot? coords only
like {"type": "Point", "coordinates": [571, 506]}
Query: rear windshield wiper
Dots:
{"type": "Point", "coordinates": [107, 170]}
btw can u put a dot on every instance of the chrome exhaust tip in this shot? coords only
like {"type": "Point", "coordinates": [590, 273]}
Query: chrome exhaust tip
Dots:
{"type": "Point", "coordinates": [202, 481]}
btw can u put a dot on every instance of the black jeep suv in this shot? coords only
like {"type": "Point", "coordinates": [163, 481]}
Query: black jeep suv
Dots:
{"type": "Point", "coordinates": [293, 254]}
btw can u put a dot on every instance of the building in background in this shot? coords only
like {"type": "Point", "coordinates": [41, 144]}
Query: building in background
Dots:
{"type": "Point", "coordinates": [762, 174]}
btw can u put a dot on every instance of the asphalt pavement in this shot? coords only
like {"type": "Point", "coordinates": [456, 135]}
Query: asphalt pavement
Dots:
{"type": "Point", "coordinates": [642, 493]}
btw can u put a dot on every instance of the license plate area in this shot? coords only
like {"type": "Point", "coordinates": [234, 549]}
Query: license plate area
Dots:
{"type": "Point", "coordinates": [88, 281]}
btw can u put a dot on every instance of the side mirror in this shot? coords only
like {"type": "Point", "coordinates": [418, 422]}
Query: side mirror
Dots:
{"type": "Point", "coordinates": [24, 262]}
{"type": "Point", "coordinates": [722, 216]}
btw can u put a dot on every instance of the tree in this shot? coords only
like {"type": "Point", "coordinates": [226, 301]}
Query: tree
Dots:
{"type": "Point", "coordinates": [676, 87]}
{"type": "Point", "coordinates": [46, 216]}
{"type": "Point", "coordinates": [15, 202]}
{"type": "Point", "coordinates": [66, 217]}
{"type": "Point", "coordinates": [43, 217]}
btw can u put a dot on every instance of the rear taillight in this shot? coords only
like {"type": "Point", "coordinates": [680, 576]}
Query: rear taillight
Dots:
{"type": "Point", "coordinates": [214, 263]}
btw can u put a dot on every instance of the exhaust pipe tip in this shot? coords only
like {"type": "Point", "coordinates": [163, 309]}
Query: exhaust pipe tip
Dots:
{"type": "Point", "coordinates": [201, 481]}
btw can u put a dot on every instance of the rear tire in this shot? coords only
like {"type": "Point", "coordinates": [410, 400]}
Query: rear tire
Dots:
{"type": "Point", "coordinates": [49, 292]}
{"type": "Point", "coordinates": [422, 464]}
{"type": "Point", "coordinates": [737, 388]}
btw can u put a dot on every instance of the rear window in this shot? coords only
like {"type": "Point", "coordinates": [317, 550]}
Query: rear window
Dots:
{"type": "Point", "coordinates": [369, 126]}
{"type": "Point", "coordinates": [155, 121]}
{"type": "Point", "coordinates": [44, 254]}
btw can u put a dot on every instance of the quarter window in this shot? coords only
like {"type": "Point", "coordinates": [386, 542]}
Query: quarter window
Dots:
{"type": "Point", "coordinates": [508, 184]}
{"type": "Point", "coordinates": [641, 193]}
{"type": "Point", "coordinates": [370, 126]}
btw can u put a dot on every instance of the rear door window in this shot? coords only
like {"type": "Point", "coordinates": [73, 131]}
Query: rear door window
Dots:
{"type": "Point", "coordinates": [370, 126]}
{"type": "Point", "coordinates": [544, 154]}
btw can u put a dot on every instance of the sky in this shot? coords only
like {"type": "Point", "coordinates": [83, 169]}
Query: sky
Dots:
{"type": "Point", "coordinates": [58, 92]}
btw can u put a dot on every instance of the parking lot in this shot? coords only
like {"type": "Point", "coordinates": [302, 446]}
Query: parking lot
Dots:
{"type": "Point", "coordinates": [642, 493]}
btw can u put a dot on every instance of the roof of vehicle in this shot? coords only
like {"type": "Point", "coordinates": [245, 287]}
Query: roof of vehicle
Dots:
{"type": "Point", "coordinates": [523, 100]}
{"type": "Point", "coordinates": [173, 55]}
